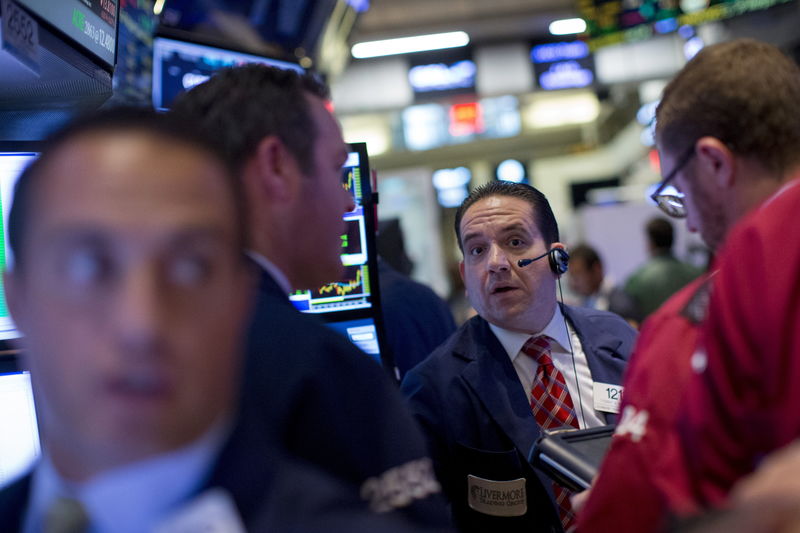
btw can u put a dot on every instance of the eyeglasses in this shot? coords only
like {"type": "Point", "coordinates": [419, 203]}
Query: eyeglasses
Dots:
{"type": "Point", "coordinates": [672, 204]}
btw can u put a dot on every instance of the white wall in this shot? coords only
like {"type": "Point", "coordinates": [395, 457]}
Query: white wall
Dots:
{"type": "Point", "coordinates": [408, 195]}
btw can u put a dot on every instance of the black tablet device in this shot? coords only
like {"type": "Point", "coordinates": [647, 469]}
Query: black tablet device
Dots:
{"type": "Point", "coordinates": [572, 457]}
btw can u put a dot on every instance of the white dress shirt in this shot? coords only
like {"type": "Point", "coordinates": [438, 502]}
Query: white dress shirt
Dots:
{"type": "Point", "coordinates": [568, 358]}
{"type": "Point", "coordinates": [133, 498]}
{"type": "Point", "coordinates": [276, 273]}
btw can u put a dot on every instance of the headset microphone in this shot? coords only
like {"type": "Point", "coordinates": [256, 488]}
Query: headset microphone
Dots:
{"type": "Point", "coordinates": [557, 257]}
{"type": "Point", "coordinates": [525, 262]}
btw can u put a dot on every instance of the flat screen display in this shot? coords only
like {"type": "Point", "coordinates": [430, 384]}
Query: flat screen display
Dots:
{"type": "Point", "coordinates": [354, 289]}
{"type": "Point", "coordinates": [90, 23]}
{"type": "Point", "coordinates": [180, 65]}
{"type": "Point", "coordinates": [11, 165]}
{"type": "Point", "coordinates": [351, 304]}
{"type": "Point", "coordinates": [19, 446]}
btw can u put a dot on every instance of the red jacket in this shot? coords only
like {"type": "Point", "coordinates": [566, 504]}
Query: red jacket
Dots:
{"type": "Point", "coordinates": [625, 496]}
{"type": "Point", "coordinates": [744, 402]}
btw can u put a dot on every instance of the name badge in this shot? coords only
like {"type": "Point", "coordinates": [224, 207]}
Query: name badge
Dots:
{"type": "Point", "coordinates": [607, 397]}
{"type": "Point", "coordinates": [497, 498]}
{"type": "Point", "coordinates": [211, 512]}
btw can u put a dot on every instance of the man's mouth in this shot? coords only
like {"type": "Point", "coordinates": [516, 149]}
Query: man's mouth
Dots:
{"type": "Point", "coordinates": [502, 289]}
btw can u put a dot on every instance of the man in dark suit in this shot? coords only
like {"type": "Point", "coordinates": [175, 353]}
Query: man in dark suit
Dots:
{"type": "Point", "coordinates": [308, 387]}
{"type": "Point", "coordinates": [525, 363]}
{"type": "Point", "coordinates": [132, 293]}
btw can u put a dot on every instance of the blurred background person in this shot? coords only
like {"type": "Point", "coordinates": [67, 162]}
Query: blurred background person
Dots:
{"type": "Point", "coordinates": [415, 318]}
{"type": "Point", "coordinates": [588, 280]}
{"type": "Point", "coordinates": [662, 275]}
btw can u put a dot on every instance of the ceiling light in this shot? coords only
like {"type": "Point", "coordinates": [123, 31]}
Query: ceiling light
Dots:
{"type": "Point", "coordinates": [407, 45]}
{"type": "Point", "coordinates": [567, 26]}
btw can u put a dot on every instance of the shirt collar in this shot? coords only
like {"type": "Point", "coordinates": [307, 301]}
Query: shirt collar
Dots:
{"type": "Point", "coordinates": [125, 496]}
{"type": "Point", "coordinates": [276, 273]}
{"type": "Point", "coordinates": [788, 185]}
{"type": "Point", "coordinates": [513, 341]}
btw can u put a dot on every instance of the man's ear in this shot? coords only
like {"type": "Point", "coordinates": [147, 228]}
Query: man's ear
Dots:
{"type": "Point", "coordinates": [274, 169]}
{"type": "Point", "coordinates": [716, 160]}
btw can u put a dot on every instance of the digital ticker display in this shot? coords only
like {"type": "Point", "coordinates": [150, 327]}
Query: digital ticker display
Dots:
{"type": "Point", "coordinates": [352, 291]}
{"type": "Point", "coordinates": [92, 23]}
{"type": "Point", "coordinates": [612, 22]}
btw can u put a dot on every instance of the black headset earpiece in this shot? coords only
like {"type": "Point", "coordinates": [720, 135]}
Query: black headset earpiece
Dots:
{"type": "Point", "coordinates": [559, 261]}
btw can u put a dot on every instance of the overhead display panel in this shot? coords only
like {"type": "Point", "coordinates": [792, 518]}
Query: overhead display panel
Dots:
{"type": "Point", "coordinates": [617, 21]}
{"type": "Point", "coordinates": [563, 65]}
{"type": "Point", "coordinates": [90, 23]}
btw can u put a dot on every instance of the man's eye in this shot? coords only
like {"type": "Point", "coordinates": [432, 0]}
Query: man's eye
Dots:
{"type": "Point", "coordinates": [515, 242]}
{"type": "Point", "coordinates": [189, 271]}
{"type": "Point", "coordinates": [477, 250]}
{"type": "Point", "coordinates": [84, 267]}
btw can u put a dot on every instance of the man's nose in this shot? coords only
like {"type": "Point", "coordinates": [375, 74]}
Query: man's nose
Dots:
{"type": "Point", "coordinates": [498, 260]}
{"type": "Point", "coordinates": [141, 310]}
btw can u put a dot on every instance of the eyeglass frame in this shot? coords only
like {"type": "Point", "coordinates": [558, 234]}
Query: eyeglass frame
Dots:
{"type": "Point", "coordinates": [655, 197]}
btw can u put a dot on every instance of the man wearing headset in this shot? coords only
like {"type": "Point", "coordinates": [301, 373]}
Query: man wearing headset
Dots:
{"type": "Point", "coordinates": [524, 364]}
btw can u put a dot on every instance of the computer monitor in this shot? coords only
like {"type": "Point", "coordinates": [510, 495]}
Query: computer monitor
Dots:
{"type": "Point", "coordinates": [353, 290]}
{"type": "Point", "coordinates": [179, 65]}
{"type": "Point", "coordinates": [19, 445]}
{"type": "Point", "coordinates": [351, 305]}
{"type": "Point", "coordinates": [12, 163]}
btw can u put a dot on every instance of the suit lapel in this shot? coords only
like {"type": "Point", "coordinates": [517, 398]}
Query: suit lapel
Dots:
{"type": "Point", "coordinates": [601, 348]}
{"type": "Point", "coordinates": [492, 378]}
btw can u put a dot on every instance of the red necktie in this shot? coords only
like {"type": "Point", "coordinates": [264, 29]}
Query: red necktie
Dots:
{"type": "Point", "coordinates": [552, 408]}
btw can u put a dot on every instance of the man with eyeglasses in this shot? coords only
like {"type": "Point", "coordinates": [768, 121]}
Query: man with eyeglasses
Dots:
{"type": "Point", "coordinates": [728, 128]}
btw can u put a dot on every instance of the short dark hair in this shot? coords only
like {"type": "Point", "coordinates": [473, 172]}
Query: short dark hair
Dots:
{"type": "Point", "coordinates": [543, 215]}
{"type": "Point", "coordinates": [743, 92]}
{"type": "Point", "coordinates": [587, 254]}
{"type": "Point", "coordinates": [113, 120]}
{"type": "Point", "coordinates": [240, 106]}
{"type": "Point", "coordinates": [660, 233]}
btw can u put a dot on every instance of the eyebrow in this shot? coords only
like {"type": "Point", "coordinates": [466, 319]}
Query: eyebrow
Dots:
{"type": "Point", "coordinates": [91, 235]}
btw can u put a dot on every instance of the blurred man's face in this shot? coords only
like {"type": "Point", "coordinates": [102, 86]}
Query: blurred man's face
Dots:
{"type": "Point", "coordinates": [496, 232]}
{"type": "Point", "coordinates": [320, 224]}
{"type": "Point", "coordinates": [584, 280]}
{"type": "Point", "coordinates": [704, 207]}
{"type": "Point", "coordinates": [132, 299]}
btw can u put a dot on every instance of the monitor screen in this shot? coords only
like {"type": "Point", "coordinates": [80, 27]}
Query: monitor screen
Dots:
{"type": "Point", "coordinates": [20, 445]}
{"type": "Point", "coordinates": [361, 332]}
{"type": "Point", "coordinates": [351, 305]}
{"type": "Point", "coordinates": [353, 290]}
{"type": "Point", "coordinates": [180, 65]}
{"type": "Point", "coordinates": [11, 165]}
